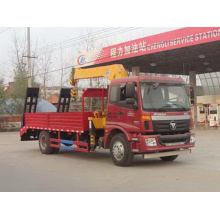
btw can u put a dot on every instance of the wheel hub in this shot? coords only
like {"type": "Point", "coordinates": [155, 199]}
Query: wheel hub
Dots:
{"type": "Point", "coordinates": [118, 150]}
{"type": "Point", "coordinates": [43, 142]}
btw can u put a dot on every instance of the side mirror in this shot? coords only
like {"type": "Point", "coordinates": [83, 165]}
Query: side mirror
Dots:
{"type": "Point", "coordinates": [130, 90]}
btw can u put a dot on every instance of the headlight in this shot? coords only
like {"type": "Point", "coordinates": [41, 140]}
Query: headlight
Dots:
{"type": "Point", "coordinates": [151, 142]}
{"type": "Point", "coordinates": [192, 139]}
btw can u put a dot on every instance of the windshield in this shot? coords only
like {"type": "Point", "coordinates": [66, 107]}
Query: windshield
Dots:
{"type": "Point", "coordinates": [164, 97]}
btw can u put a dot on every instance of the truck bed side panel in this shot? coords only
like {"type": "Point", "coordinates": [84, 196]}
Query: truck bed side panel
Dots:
{"type": "Point", "coordinates": [73, 121]}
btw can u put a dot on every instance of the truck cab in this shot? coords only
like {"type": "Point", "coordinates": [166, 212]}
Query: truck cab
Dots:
{"type": "Point", "coordinates": [148, 115]}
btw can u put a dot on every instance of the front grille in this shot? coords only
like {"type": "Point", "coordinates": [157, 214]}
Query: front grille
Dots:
{"type": "Point", "coordinates": [163, 126]}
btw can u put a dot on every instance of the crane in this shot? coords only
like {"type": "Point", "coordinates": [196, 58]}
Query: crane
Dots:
{"type": "Point", "coordinates": [109, 72]}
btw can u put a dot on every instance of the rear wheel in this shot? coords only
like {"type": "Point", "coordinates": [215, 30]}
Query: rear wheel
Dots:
{"type": "Point", "coordinates": [169, 158]}
{"type": "Point", "coordinates": [44, 143]}
{"type": "Point", "coordinates": [120, 150]}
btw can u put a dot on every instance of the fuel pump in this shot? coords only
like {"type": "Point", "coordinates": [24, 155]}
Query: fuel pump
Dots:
{"type": "Point", "coordinates": [201, 113]}
{"type": "Point", "coordinates": [213, 115]}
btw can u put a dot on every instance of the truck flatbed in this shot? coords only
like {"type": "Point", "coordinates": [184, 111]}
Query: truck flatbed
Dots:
{"type": "Point", "coordinates": [58, 121]}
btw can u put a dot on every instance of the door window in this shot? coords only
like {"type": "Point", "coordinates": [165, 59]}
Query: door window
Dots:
{"type": "Point", "coordinates": [117, 95]}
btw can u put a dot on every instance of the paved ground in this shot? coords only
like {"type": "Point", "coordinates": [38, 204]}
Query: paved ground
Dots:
{"type": "Point", "coordinates": [24, 168]}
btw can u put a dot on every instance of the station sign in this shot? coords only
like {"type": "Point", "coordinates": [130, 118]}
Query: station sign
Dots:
{"type": "Point", "coordinates": [175, 39]}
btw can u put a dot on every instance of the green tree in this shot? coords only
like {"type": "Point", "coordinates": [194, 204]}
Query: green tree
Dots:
{"type": "Point", "coordinates": [20, 83]}
{"type": "Point", "coordinates": [20, 80]}
{"type": "Point", "coordinates": [2, 93]}
{"type": "Point", "coordinates": [2, 96]}
{"type": "Point", "coordinates": [19, 87]}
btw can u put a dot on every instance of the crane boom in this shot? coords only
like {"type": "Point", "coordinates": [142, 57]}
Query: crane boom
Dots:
{"type": "Point", "coordinates": [110, 72]}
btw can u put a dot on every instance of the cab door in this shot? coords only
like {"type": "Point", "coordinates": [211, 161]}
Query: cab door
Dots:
{"type": "Point", "coordinates": [114, 112]}
{"type": "Point", "coordinates": [120, 112]}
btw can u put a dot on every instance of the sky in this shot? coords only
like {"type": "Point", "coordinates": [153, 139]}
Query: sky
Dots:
{"type": "Point", "coordinates": [62, 45]}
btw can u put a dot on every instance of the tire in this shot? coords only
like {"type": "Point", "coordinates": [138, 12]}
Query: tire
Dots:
{"type": "Point", "coordinates": [169, 158]}
{"type": "Point", "coordinates": [120, 150]}
{"type": "Point", "coordinates": [44, 143]}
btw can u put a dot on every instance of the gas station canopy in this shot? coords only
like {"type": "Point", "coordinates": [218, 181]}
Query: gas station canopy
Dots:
{"type": "Point", "coordinates": [175, 52]}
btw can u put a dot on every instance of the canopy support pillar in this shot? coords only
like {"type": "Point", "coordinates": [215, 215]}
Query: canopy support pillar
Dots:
{"type": "Point", "coordinates": [192, 83]}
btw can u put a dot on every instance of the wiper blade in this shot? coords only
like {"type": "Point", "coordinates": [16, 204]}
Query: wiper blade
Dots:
{"type": "Point", "coordinates": [169, 107]}
{"type": "Point", "coordinates": [164, 108]}
{"type": "Point", "coordinates": [180, 106]}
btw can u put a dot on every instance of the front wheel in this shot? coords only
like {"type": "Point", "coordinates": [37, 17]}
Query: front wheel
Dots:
{"type": "Point", "coordinates": [120, 150]}
{"type": "Point", "coordinates": [169, 158]}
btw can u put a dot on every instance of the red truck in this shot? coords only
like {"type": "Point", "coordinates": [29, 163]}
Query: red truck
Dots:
{"type": "Point", "coordinates": [147, 115]}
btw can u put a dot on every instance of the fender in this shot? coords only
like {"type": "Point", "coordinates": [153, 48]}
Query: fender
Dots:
{"type": "Point", "coordinates": [108, 132]}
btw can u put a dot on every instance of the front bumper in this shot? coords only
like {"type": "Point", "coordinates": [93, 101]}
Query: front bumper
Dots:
{"type": "Point", "coordinates": [163, 143]}
{"type": "Point", "coordinates": [167, 153]}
